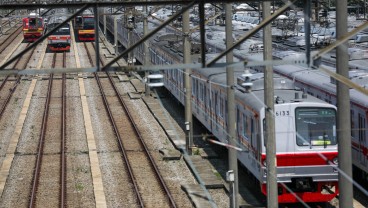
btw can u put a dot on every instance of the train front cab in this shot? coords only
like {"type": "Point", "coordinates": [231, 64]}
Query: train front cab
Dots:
{"type": "Point", "coordinates": [85, 28]}
{"type": "Point", "coordinates": [306, 155]}
{"type": "Point", "coordinates": [33, 28]}
{"type": "Point", "coordinates": [60, 40]}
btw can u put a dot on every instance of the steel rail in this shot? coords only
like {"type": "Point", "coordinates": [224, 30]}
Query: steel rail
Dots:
{"type": "Point", "coordinates": [101, 61]}
{"type": "Point", "coordinates": [11, 92]}
{"type": "Point", "coordinates": [143, 144]}
{"type": "Point", "coordinates": [10, 39]}
{"type": "Point", "coordinates": [26, 61]}
{"type": "Point", "coordinates": [36, 174]}
{"type": "Point", "coordinates": [64, 59]}
{"type": "Point", "coordinates": [18, 60]}
{"type": "Point", "coordinates": [120, 144]}
{"type": "Point", "coordinates": [63, 175]}
{"type": "Point", "coordinates": [89, 55]}
{"type": "Point", "coordinates": [53, 61]}
{"type": "Point", "coordinates": [3, 83]}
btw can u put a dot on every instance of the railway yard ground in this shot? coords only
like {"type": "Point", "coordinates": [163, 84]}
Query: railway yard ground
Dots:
{"type": "Point", "coordinates": [96, 140]}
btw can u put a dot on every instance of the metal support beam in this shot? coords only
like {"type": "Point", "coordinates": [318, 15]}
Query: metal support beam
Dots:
{"type": "Point", "coordinates": [254, 30]}
{"type": "Point", "coordinates": [307, 15]}
{"type": "Point", "coordinates": [231, 122]}
{"type": "Point", "coordinates": [146, 37]}
{"type": "Point", "coordinates": [116, 43]}
{"type": "Point", "coordinates": [272, 195]}
{"type": "Point", "coordinates": [104, 22]}
{"type": "Point", "coordinates": [202, 32]}
{"type": "Point", "coordinates": [343, 111]}
{"type": "Point", "coordinates": [42, 38]}
{"type": "Point", "coordinates": [97, 38]}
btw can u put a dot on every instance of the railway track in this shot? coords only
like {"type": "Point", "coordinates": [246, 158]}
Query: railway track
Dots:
{"type": "Point", "coordinates": [22, 62]}
{"type": "Point", "coordinates": [59, 60]}
{"type": "Point", "coordinates": [9, 40]}
{"type": "Point", "coordinates": [53, 132]}
{"type": "Point", "coordinates": [7, 92]}
{"type": "Point", "coordinates": [140, 165]}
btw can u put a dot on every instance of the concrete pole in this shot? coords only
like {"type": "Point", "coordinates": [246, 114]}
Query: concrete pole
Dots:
{"type": "Point", "coordinates": [272, 199]}
{"type": "Point", "coordinates": [116, 35]}
{"type": "Point", "coordinates": [231, 124]}
{"type": "Point", "coordinates": [146, 50]}
{"type": "Point", "coordinates": [97, 38]}
{"type": "Point", "coordinates": [343, 110]}
{"type": "Point", "coordinates": [187, 85]}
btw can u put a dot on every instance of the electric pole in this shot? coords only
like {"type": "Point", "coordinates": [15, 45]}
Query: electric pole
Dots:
{"type": "Point", "coordinates": [271, 161]}
{"type": "Point", "coordinates": [343, 110]}
{"type": "Point", "coordinates": [146, 50]}
{"type": "Point", "coordinates": [231, 124]}
{"type": "Point", "coordinates": [187, 85]}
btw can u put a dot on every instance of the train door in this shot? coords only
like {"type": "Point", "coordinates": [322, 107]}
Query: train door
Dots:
{"type": "Point", "coordinates": [362, 139]}
{"type": "Point", "coordinates": [285, 135]}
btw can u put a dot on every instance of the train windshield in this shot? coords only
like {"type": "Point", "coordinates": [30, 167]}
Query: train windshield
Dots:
{"type": "Point", "coordinates": [89, 23]}
{"type": "Point", "coordinates": [62, 31]}
{"type": "Point", "coordinates": [35, 22]}
{"type": "Point", "coordinates": [315, 126]}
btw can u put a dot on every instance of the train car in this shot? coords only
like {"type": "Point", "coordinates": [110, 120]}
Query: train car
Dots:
{"type": "Point", "coordinates": [306, 148]}
{"type": "Point", "coordinates": [60, 40]}
{"type": "Point", "coordinates": [84, 26]}
{"type": "Point", "coordinates": [33, 27]}
{"type": "Point", "coordinates": [305, 126]}
{"type": "Point", "coordinates": [322, 86]}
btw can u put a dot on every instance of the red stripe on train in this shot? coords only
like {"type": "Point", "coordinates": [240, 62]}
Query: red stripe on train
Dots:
{"type": "Point", "coordinates": [303, 159]}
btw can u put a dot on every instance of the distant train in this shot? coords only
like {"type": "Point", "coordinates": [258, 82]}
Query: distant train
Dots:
{"type": "Point", "coordinates": [84, 26]}
{"type": "Point", "coordinates": [60, 40]}
{"type": "Point", "coordinates": [323, 87]}
{"type": "Point", "coordinates": [33, 27]}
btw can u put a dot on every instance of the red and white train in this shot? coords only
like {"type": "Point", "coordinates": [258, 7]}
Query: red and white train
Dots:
{"type": "Point", "coordinates": [60, 40]}
{"type": "Point", "coordinates": [322, 86]}
{"type": "Point", "coordinates": [84, 26]}
{"type": "Point", "coordinates": [305, 126]}
{"type": "Point", "coordinates": [306, 148]}
{"type": "Point", "coordinates": [33, 27]}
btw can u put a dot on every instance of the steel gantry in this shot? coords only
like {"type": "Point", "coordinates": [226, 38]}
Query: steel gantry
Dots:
{"type": "Point", "coordinates": [340, 44]}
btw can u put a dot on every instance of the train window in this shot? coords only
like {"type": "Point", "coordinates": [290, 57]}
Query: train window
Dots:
{"type": "Point", "coordinates": [352, 123]}
{"type": "Point", "coordinates": [361, 126]}
{"type": "Point", "coordinates": [193, 88]}
{"type": "Point", "coordinates": [78, 20]}
{"type": "Point", "coordinates": [245, 128]}
{"type": "Point", "coordinates": [251, 130]}
{"type": "Point", "coordinates": [315, 126]}
{"type": "Point", "coordinates": [32, 21]}
{"type": "Point", "coordinates": [221, 110]}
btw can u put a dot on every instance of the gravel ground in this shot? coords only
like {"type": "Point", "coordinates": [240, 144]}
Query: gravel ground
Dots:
{"type": "Point", "coordinates": [18, 184]}
{"type": "Point", "coordinates": [7, 126]}
{"type": "Point", "coordinates": [79, 178]}
{"type": "Point", "coordinates": [117, 187]}
{"type": "Point", "coordinates": [29, 138]}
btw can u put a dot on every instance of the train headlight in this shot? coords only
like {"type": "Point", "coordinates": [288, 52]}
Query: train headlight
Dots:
{"type": "Point", "coordinates": [264, 163]}
{"type": "Point", "coordinates": [335, 161]}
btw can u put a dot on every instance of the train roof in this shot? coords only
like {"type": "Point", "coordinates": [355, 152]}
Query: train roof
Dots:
{"type": "Point", "coordinates": [57, 20]}
{"type": "Point", "coordinates": [284, 88]}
